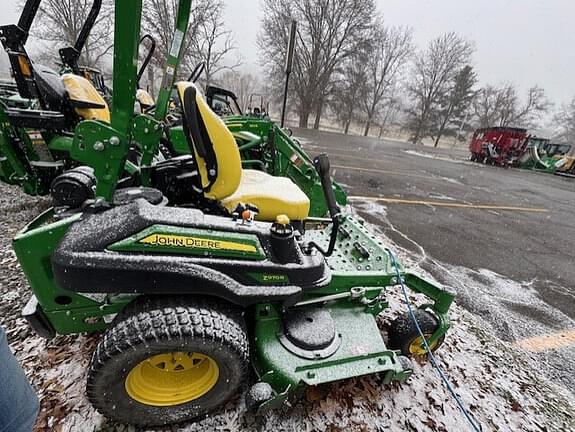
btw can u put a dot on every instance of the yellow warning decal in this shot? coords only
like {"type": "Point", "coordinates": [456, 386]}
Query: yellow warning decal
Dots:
{"type": "Point", "coordinates": [196, 243]}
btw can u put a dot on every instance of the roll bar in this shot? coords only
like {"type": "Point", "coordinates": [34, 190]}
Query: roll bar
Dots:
{"type": "Point", "coordinates": [13, 38]}
{"type": "Point", "coordinates": [105, 146]}
{"type": "Point", "coordinates": [148, 56]}
{"type": "Point", "coordinates": [71, 55]}
{"type": "Point", "coordinates": [176, 48]}
{"type": "Point", "coordinates": [27, 17]}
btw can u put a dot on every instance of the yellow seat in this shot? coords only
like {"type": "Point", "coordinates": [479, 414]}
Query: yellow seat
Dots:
{"type": "Point", "coordinates": [271, 195]}
{"type": "Point", "coordinates": [87, 102]}
{"type": "Point", "coordinates": [145, 99]}
{"type": "Point", "coordinates": [233, 185]}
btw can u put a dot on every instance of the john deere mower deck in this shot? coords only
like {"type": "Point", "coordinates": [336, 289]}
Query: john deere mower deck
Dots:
{"type": "Point", "coordinates": [148, 269]}
{"type": "Point", "coordinates": [188, 289]}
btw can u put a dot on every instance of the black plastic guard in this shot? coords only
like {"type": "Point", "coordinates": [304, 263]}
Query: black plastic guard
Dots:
{"type": "Point", "coordinates": [37, 319]}
{"type": "Point", "coordinates": [82, 263]}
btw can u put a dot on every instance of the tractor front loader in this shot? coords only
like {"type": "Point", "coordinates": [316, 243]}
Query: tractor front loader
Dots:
{"type": "Point", "coordinates": [188, 289]}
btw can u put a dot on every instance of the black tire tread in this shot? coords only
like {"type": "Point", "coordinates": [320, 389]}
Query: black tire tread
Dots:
{"type": "Point", "coordinates": [156, 319]}
{"type": "Point", "coordinates": [402, 330]}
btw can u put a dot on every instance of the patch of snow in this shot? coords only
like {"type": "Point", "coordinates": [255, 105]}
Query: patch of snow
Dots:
{"type": "Point", "coordinates": [442, 197]}
{"type": "Point", "coordinates": [435, 156]}
{"type": "Point", "coordinates": [451, 180]}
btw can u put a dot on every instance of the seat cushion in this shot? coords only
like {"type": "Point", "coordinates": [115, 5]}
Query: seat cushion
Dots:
{"type": "Point", "coordinates": [271, 195]}
{"type": "Point", "coordinates": [89, 104]}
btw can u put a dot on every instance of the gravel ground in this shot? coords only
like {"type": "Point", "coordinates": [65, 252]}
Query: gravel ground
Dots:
{"type": "Point", "coordinates": [500, 385]}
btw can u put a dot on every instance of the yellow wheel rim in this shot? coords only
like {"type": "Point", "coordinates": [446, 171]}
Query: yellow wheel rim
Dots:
{"type": "Point", "coordinates": [172, 378]}
{"type": "Point", "coordinates": [416, 347]}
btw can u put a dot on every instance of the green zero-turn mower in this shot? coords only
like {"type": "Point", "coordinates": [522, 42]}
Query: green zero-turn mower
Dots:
{"type": "Point", "coordinates": [190, 296]}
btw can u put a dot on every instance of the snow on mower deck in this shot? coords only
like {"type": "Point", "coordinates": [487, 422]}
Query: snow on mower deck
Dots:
{"type": "Point", "coordinates": [337, 324]}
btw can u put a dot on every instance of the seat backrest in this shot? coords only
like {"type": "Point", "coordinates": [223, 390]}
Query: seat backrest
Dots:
{"type": "Point", "coordinates": [210, 138]}
{"type": "Point", "coordinates": [51, 88]}
{"type": "Point", "coordinates": [144, 98]}
{"type": "Point", "coordinates": [88, 103]}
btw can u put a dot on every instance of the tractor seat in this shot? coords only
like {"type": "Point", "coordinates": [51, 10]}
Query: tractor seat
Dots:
{"type": "Point", "coordinates": [88, 103]}
{"type": "Point", "coordinates": [271, 195]}
{"type": "Point", "coordinates": [145, 99]}
{"type": "Point", "coordinates": [50, 84]}
{"type": "Point", "coordinates": [69, 91]}
{"type": "Point", "coordinates": [220, 166]}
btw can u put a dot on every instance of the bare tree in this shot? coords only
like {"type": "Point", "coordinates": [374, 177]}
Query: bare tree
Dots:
{"type": "Point", "coordinates": [213, 44]}
{"type": "Point", "coordinates": [456, 102]}
{"type": "Point", "coordinates": [536, 105]}
{"type": "Point", "coordinates": [159, 21]}
{"type": "Point", "coordinates": [242, 84]}
{"type": "Point", "coordinates": [387, 55]}
{"type": "Point", "coordinates": [349, 89]}
{"type": "Point", "coordinates": [59, 22]}
{"type": "Point", "coordinates": [564, 120]}
{"type": "Point", "coordinates": [489, 104]}
{"type": "Point", "coordinates": [434, 69]}
{"type": "Point", "coordinates": [328, 32]}
{"type": "Point", "coordinates": [501, 106]}
{"type": "Point", "coordinates": [388, 116]}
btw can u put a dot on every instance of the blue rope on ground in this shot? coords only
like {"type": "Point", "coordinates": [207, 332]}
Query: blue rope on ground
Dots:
{"type": "Point", "coordinates": [472, 421]}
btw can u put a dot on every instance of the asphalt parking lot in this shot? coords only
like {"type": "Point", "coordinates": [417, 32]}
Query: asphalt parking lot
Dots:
{"type": "Point", "coordinates": [503, 239]}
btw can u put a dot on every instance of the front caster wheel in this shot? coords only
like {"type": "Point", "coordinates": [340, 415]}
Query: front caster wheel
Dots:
{"type": "Point", "coordinates": [168, 360]}
{"type": "Point", "coordinates": [258, 394]}
{"type": "Point", "coordinates": [403, 334]}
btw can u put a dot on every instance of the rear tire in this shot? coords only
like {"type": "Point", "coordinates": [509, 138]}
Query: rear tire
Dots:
{"type": "Point", "coordinates": [201, 345]}
{"type": "Point", "coordinates": [403, 334]}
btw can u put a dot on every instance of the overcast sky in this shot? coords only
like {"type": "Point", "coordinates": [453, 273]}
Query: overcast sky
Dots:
{"type": "Point", "coordinates": [523, 41]}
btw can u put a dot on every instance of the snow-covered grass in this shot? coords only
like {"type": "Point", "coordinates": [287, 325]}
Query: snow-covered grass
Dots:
{"type": "Point", "coordinates": [500, 385]}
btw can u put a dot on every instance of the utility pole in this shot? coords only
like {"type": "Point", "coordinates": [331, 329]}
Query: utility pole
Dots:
{"type": "Point", "coordinates": [289, 61]}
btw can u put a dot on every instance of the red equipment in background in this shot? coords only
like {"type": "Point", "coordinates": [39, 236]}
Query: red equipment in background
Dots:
{"type": "Point", "coordinates": [498, 145]}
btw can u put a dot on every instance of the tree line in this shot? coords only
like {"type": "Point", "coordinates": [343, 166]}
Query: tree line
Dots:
{"type": "Point", "coordinates": [349, 65]}
{"type": "Point", "coordinates": [365, 71]}
{"type": "Point", "coordinates": [59, 23]}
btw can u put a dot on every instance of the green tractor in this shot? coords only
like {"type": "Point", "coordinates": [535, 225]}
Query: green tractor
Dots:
{"type": "Point", "coordinates": [208, 263]}
{"type": "Point", "coordinates": [43, 106]}
{"type": "Point", "coordinates": [35, 144]}
{"type": "Point", "coordinates": [542, 155]}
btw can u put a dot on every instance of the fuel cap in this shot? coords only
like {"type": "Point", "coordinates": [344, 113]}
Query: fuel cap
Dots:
{"type": "Point", "coordinates": [282, 227]}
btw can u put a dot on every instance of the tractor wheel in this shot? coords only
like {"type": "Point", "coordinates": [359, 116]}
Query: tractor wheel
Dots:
{"type": "Point", "coordinates": [403, 334]}
{"type": "Point", "coordinates": [167, 360]}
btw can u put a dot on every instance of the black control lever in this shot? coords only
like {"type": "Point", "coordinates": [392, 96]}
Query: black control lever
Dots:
{"type": "Point", "coordinates": [322, 166]}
